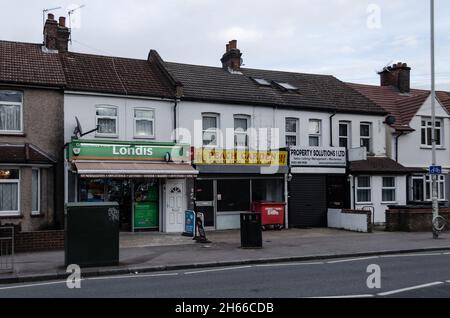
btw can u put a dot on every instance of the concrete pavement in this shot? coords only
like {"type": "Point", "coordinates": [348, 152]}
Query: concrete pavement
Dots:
{"type": "Point", "coordinates": [152, 252]}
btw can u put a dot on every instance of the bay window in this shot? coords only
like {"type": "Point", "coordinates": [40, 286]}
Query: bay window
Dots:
{"type": "Point", "coordinates": [9, 192]}
{"type": "Point", "coordinates": [11, 112]}
{"type": "Point", "coordinates": [144, 123]}
{"type": "Point", "coordinates": [421, 188]}
{"type": "Point", "coordinates": [107, 121]}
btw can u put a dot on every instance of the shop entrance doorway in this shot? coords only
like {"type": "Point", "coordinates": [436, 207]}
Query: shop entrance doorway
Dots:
{"type": "Point", "coordinates": [205, 201]}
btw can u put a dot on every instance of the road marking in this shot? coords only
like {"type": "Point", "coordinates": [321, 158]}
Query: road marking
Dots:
{"type": "Point", "coordinates": [32, 285]}
{"type": "Point", "coordinates": [448, 281]}
{"type": "Point", "coordinates": [217, 270]}
{"type": "Point", "coordinates": [448, 253]}
{"type": "Point", "coordinates": [289, 264]}
{"type": "Point", "coordinates": [352, 260]}
{"type": "Point", "coordinates": [411, 255]}
{"type": "Point", "coordinates": [398, 291]}
{"type": "Point", "coordinates": [344, 297]}
{"type": "Point", "coordinates": [132, 276]}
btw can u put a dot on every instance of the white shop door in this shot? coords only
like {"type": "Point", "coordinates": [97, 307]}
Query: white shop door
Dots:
{"type": "Point", "coordinates": [175, 206]}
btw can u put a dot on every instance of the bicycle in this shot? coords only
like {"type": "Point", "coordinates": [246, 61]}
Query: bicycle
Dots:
{"type": "Point", "coordinates": [439, 225]}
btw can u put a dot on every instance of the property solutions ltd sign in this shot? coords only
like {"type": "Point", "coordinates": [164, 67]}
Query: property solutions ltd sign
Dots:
{"type": "Point", "coordinates": [317, 157]}
{"type": "Point", "coordinates": [128, 151]}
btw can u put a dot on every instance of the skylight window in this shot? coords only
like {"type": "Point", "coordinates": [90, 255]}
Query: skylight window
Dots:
{"type": "Point", "coordinates": [287, 86]}
{"type": "Point", "coordinates": [262, 82]}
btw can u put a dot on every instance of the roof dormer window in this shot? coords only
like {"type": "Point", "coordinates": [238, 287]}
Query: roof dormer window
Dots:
{"type": "Point", "coordinates": [286, 86]}
{"type": "Point", "coordinates": [262, 82]}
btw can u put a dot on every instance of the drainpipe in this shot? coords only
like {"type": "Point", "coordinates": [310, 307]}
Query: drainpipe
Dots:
{"type": "Point", "coordinates": [175, 124]}
{"type": "Point", "coordinates": [331, 128]}
{"type": "Point", "coordinates": [397, 145]}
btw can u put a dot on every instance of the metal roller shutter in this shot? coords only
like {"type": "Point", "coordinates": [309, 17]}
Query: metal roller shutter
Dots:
{"type": "Point", "coordinates": [308, 201]}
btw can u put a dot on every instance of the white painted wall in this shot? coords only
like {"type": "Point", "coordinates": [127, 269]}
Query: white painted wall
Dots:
{"type": "Point", "coordinates": [347, 221]}
{"type": "Point", "coordinates": [411, 153]}
{"type": "Point", "coordinates": [379, 206]}
{"type": "Point", "coordinates": [267, 117]}
{"type": "Point", "coordinates": [84, 107]}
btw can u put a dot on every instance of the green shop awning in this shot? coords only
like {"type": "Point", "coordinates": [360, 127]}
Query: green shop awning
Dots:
{"type": "Point", "coordinates": [134, 170]}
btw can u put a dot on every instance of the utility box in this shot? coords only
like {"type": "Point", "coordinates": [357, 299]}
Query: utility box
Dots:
{"type": "Point", "coordinates": [251, 233]}
{"type": "Point", "coordinates": [92, 234]}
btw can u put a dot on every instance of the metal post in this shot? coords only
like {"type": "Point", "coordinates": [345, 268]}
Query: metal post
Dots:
{"type": "Point", "coordinates": [433, 120]}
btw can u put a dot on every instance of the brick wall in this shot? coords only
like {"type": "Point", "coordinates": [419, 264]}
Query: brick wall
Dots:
{"type": "Point", "coordinates": [38, 241]}
{"type": "Point", "coordinates": [405, 219]}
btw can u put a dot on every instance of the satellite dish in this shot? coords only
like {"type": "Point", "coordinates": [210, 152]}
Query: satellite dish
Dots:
{"type": "Point", "coordinates": [78, 130]}
{"type": "Point", "coordinates": [390, 120]}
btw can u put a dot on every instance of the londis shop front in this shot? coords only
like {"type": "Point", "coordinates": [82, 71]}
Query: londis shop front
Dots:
{"type": "Point", "coordinates": [230, 181]}
{"type": "Point", "coordinates": [152, 182]}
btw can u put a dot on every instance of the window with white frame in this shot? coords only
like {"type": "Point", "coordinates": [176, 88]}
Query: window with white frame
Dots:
{"type": "Point", "coordinates": [36, 191]}
{"type": "Point", "coordinates": [427, 132]}
{"type": "Point", "coordinates": [363, 189]}
{"type": "Point", "coordinates": [292, 128]}
{"type": "Point", "coordinates": [366, 136]}
{"type": "Point", "coordinates": [11, 112]}
{"type": "Point", "coordinates": [241, 126]}
{"type": "Point", "coordinates": [344, 134]}
{"type": "Point", "coordinates": [107, 121]}
{"type": "Point", "coordinates": [389, 190]}
{"type": "Point", "coordinates": [210, 130]}
{"type": "Point", "coordinates": [315, 133]}
{"type": "Point", "coordinates": [144, 123]}
{"type": "Point", "coordinates": [9, 191]}
{"type": "Point", "coordinates": [421, 188]}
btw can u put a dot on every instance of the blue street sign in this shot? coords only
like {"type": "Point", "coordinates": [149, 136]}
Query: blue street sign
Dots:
{"type": "Point", "coordinates": [435, 170]}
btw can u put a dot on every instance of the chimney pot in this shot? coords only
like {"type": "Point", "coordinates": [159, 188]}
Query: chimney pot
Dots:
{"type": "Point", "coordinates": [399, 76]}
{"type": "Point", "coordinates": [233, 44]}
{"type": "Point", "coordinates": [232, 59]}
{"type": "Point", "coordinates": [62, 22]}
{"type": "Point", "coordinates": [51, 16]}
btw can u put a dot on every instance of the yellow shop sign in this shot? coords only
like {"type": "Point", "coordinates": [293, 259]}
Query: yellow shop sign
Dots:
{"type": "Point", "coordinates": [240, 157]}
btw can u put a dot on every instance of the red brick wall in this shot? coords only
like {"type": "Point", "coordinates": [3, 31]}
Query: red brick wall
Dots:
{"type": "Point", "coordinates": [412, 220]}
{"type": "Point", "coordinates": [38, 241]}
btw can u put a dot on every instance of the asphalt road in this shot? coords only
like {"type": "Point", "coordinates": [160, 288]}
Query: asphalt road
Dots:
{"type": "Point", "coordinates": [415, 275]}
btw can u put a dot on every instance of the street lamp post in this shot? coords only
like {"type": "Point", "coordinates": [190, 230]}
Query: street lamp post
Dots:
{"type": "Point", "coordinates": [433, 120]}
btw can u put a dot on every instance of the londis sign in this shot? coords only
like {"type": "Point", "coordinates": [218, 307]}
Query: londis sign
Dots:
{"type": "Point", "coordinates": [128, 151]}
{"type": "Point", "coordinates": [240, 157]}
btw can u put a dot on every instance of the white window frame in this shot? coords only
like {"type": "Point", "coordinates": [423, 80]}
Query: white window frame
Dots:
{"type": "Point", "coordinates": [427, 186]}
{"type": "Point", "coordinates": [38, 212]}
{"type": "Point", "coordinates": [15, 181]}
{"type": "Point", "coordinates": [370, 137]}
{"type": "Point", "coordinates": [349, 133]}
{"type": "Point", "coordinates": [217, 130]}
{"type": "Point", "coordinates": [394, 188]}
{"type": "Point", "coordinates": [293, 134]}
{"type": "Point", "coordinates": [363, 188]}
{"type": "Point", "coordinates": [319, 135]}
{"type": "Point", "coordinates": [116, 118]}
{"type": "Point", "coordinates": [430, 126]}
{"type": "Point", "coordinates": [14, 132]}
{"type": "Point", "coordinates": [153, 135]}
{"type": "Point", "coordinates": [242, 133]}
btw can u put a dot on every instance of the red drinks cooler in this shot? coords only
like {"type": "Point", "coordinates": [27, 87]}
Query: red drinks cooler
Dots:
{"type": "Point", "coordinates": [272, 213]}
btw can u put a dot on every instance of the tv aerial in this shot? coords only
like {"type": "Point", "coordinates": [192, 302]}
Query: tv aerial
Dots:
{"type": "Point", "coordinates": [78, 132]}
{"type": "Point", "coordinates": [386, 68]}
{"type": "Point", "coordinates": [70, 13]}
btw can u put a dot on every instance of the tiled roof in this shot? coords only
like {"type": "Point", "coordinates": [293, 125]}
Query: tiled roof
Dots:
{"type": "Point", "coordinates": [403, 106]}
{"type": "Point", "coordinates": [315, 92]}
{"type": "Point", "coordinates": [26, 63]}
{"type": "Point", "coordinates": [24, 154]}
{"type": "Point", "coordinates": [380, 165]}
{"type": "Point", "coordinates": [105, 74]}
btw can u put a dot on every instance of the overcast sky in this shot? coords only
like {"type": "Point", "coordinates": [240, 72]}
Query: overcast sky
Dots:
{"type": "Point", "coordinates": [350, 39]}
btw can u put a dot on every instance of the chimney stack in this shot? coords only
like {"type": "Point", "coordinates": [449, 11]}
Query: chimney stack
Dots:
{"type": "Point", "coordinates": [397, 75]}
{"type": "Point", "coordinates": [232, 59]}
{"type": "Point", "coordinates": [56, 34]}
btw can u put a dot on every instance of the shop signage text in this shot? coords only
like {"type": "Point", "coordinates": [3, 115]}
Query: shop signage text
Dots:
{"type": "Point", "coordinates": [240, 157]}
{"type": "Point", "coordinates": [318, 157]}
{"type": "Point", "coordinates": [95, 150]}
